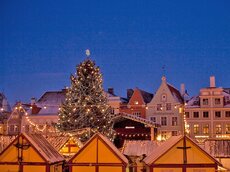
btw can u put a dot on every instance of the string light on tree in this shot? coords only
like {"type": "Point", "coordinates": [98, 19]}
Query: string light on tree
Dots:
{"type": "Point", "coordinates": [86, 105]}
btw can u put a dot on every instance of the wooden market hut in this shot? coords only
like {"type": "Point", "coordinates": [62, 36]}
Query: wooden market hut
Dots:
{"type": "Point", "coordinates": [66, 145]}
{"type": "Point", "coordinates": [98, 155]}
{"type": "Point", "coordinates": [180, 154]}
{"type": "Point", "coordinates": [30, 152]}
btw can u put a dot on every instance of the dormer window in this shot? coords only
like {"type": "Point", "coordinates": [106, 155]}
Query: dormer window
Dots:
{"type": "Point", "coordinates": [205, 101]}
{"type": "Point", "coordinates": [163, 97]}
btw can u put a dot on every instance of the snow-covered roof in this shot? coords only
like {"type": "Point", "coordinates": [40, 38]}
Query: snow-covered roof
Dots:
{"type": "Point", "coordinates": [194, 102]}
{"type": "Point", "coordinates": [162, 149]}
{"type": "Point", "coordinates": [135, 118]}
{"type": "Point", "coordinates": [52, 97]}
{"type": "Point", "coordinates": [176, 94]}
{"type": "Point", "coordinates": [47, 151]}
{"type": "Point", "coordinates": [58, 141]}
{"type": "Point", "coordinates": [167, 145]}
{"type": "Point", "coordinates": [5, 141]}
{"type": "Point", "coordinates": [139, 147]}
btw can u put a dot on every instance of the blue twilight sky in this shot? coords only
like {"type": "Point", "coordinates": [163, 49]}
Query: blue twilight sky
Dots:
{"type": "Point", "coordinates": [42, 41]}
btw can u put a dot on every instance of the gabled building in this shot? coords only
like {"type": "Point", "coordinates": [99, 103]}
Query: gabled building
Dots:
{"type": "Point", "coordinates": [137, 103]}
{"type": "Point", "coordinates": [98, 155]}
{"type": "Point", "coordinates": [163, 110]}
{"type": "Point", "coordinates": [43, 113]}
{"type": "Point", "coordinates": [15, 119]}
{"type": "Point", "coordinates": [208, 114]}
{"type": "Point", "coordinates": [30, 152]}
{"type": "Point", "coordinates": [180, 153]}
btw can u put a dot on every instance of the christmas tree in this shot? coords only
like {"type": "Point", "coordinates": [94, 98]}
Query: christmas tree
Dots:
{"type": "Point", "coordinates": [85, 107]}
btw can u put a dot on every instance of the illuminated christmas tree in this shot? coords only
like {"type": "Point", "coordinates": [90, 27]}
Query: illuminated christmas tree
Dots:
{"type": "Point", "coordinates": [85, 106]}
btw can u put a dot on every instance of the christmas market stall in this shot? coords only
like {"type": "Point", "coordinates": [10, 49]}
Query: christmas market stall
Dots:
{"type": "Point", "coordinates": [66, 145]}
{"type": "Point", "coordinates": [30, 152]}
{"type": "Point", "coordinates": [98, 155]}
{"type": "Point", "coordinates": [180, 153]}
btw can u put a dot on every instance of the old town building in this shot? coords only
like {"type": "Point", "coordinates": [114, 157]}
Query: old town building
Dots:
{"type": "Point", "coordinates": [208, 114]}
{"type": "Point", "coordinates": [164, 110]}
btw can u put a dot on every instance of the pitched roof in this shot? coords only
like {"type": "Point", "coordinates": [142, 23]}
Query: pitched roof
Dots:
{"type": "Point", "coordinates": [146, 95]}
{"type": "Point", "coordinates": [139, 147]}
{"type": "Point", "coordinates": [47, 151]}
{"type": "Point", "coordinates": [176, 94]}
{"type": "Point", "coordinates": [58, 141]}
{"type": "Point", "coordinates": [123, 115]}
{"type": "Point", "coordinates": [108, 142]}
{"type": "Point", "coordinates": [162, 149]}
{"type": "Point", "coordinates": [167, 145]}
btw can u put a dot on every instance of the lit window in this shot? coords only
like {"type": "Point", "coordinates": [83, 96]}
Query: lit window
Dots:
{"type": "Point", "coordinates": [195, 128]}
{"type": "Point", "coordinates": [136, 102]}
{"type": "Point", "coordinates": [205, 129]}
{"type": "Point", "coordinates": [159, 107]}
{"type": "Point", "coordinates": [218, 129]}
{"type": "Point", "coordinates": [227, 128]}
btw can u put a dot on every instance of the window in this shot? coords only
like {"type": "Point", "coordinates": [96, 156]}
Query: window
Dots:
{"type": "Point", "coordinates": [218, 129]}
{"type": "Point", "coordinates": [16, 128]}
{"type": "Point", "coordinates": [205, 101]}
{"type": "Point", "coordinates": [205, 114]}
{"type": "Point", "coordinates": [187, 114]}
{"type": "Point", "coordinates": [174, 121]}
{"type": "Point", "coordinates": [11, 129]}
{"type": "Point", "coordinates": [174, 133]}
{"type": "Point", "coordinates": [227, 128]}
{"type": "Point", "coordinates": [153, 119]}
{"type": "Point", "coordinates": [138, 114]}
{"type": "Point", "coordinates": [217, 114]}
{"type": "Point", "coordinates": [159, 107]}
{"type": "Point", "coordinates": [227, 114]}
{"type": "Point", "coordinates": [163, 121]}
{"type": "Point", "coordinates": [195, 128]}
{"type": "Point", "coordinates": [195, 114]}
{"type": "Point", "coordinates": [163, 97]}
{"type": "Point", "coordinates": [205, 129]}
{"type": "Point", "coordinates": [217, 101]}
{"type": "Point", "coordinates": [136, 102]}
{"type": "Point", "coordinates": [168, 106]}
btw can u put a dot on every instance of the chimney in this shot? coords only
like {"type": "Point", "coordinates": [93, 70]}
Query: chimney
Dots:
{"type": "Point", "coordinates": [111, 91]}
{"type": "Point", "coordinates": [129, 93]}
{"type": "Point", "coordinates": [33, 101]}
{"type": "Point", "coordinates": [5, 104]}
{"type": "Point", "coordinates": [182, 89]}
{"type": "Point", "coordinates": [212, 81]}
